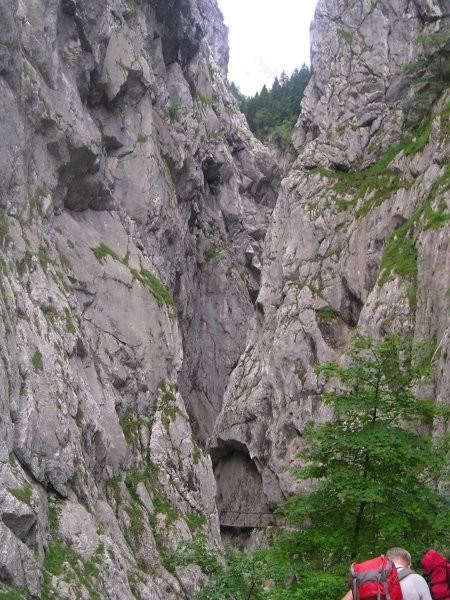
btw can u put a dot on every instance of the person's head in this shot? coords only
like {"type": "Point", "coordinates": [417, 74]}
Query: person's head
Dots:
{"type": "Point", "coordinates": [399, 556]}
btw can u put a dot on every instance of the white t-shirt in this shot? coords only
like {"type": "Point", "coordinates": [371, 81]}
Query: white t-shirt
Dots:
{"type": "Point", "coordinates": [414, 587]}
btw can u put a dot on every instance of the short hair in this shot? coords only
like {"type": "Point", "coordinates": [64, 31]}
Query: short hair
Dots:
{"type": "Point", "coordinates": [393, 553]}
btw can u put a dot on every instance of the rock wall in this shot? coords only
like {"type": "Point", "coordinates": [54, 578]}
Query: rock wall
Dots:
{"type": "Point", "coordinates": [360, 233]}
{"type": "Point", "coordinates": [133, 206]}
{"type": "Point", "coordinates": [159, 288]}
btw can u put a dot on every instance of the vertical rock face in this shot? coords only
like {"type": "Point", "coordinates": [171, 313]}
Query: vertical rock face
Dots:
{"type": "Point", "coordinates": [360, 232]}
{"type": "Point", "coordinates": [133, 207]}
{"type": "Point", "coordinates": [156, 289]}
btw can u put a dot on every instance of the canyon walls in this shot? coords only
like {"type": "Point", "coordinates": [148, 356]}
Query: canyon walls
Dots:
{"type": "Point", "coordinates": [164, 297]}
{"type": "Point", "coordinates": [359, 237]}
{"type": "Point", "coordinates": [134, 204]}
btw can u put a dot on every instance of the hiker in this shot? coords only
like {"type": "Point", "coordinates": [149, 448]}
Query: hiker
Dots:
{"type": "Point", "coordinates": [436, 569]}
{"type": "Point", "coordinates": [414, 586]}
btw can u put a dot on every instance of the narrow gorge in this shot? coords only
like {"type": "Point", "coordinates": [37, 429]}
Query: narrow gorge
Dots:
{"type": "Point", "coordinates": [166, 288]}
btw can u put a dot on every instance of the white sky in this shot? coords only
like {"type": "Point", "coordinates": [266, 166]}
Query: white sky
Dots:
{"type": "Point", "coordinates": [266, 37]}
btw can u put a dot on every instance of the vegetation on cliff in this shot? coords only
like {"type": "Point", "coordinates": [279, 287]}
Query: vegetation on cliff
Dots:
{"type": "Point", "coordinates": [271, 114]}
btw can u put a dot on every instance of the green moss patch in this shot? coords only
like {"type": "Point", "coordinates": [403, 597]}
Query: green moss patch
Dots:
{"type": "Point", "coordinates": [130, 423]}
{"type": "Point", "coordinates": [399, 256]}
{"type": "Point", "coordinates": [376, 183]}
{"type": "Point", "coordinates": [210, 254]}
{"type": "Point", "coordinates": [37, 362]}
{"type": "Point", "coordinates": [23, 494]}
{"type": "Point", "coordinates": [102, 251]}
{"type": "Point", "coordinates": [61, 561]}
{"type": "Point", "coordinates": [159, 291]}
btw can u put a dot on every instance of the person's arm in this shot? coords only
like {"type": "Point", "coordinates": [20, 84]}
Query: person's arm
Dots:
{"type": "Point", "coordinates": [348, 595]}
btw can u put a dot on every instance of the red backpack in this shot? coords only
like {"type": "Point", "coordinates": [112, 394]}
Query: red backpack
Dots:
{"type": "Point", "coordinates": [375, 579]}
{"type": "Point", "coordinates": [436, 570]}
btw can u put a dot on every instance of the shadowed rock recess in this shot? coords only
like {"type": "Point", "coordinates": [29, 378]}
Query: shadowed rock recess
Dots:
{"type": "Point", "coordinates": [164, 299]}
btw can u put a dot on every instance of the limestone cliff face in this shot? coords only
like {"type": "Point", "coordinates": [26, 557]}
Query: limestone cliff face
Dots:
{"type": "Point", "coordinates": [133, 206]}
{"type": "Point", "coordinates": [359, 236]}
{"type": "Point", "coordinates": [156, 288]}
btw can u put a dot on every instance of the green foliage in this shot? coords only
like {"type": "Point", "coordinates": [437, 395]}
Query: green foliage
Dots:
{"type": "Point", "coordinates": [373, 185]}
{"type": "Point", "coordinates": [430, 73]}
{"type": "Point", "coordinates": [10, 593]}
{"type": "Point", "coordinates": [210, 254]}
{"type": "Point", "coordinates": [142, 138]}
{"type": "Point", "coordinates": [53, 513]}
{"type": "Point", "coordinates": [79, 415]}
{"type": "Point", "coordinates": [174, 112]}
{"type": "Point", "coordinates": [136, 524]}
{"type": "Point", "coordinates": [282, 132]}
{"type": "Point", "coordinates": [204, 99]}
{"type": "Point", "coordinates": [131, 423]}
{"type": "Point", "coordinates": [195, 521]}
{"type": "Point", "coordinates": [23, 494]}
{"type": "Point", "coordinates": [372, 470]}
{"type": "Point", "coordinates": [148, 476]}
{"type": "Point", "coordinates": [377, 180]}
{"type": "Point", "coordinates": [60, 560]}
{"type": "Point", "coordinates": [399, 256]}
{"type": "Point", "coordinates": [113, 484]}
{"type": "Point", "coordinates": [42, 257]}
{"type": "Point", "coordinates": [293, 575]}
{"type": "Point", "coordinates": [130, 10]}
{"type": "Point", "coordinates": [4, 226]}
{"type": "Point", "coordinates": [163, 506]}
{"type": "Point", "coordinates": [159, 291]}
{"type": "Point", "coordinates": [35, 204]}
{"type": "Point", "coordinates": [237, 576]}
{"type": "Point", "coordinates": [70, 327]}
{"type": "Point", "coordinates": [36, 361]}
{"type": "Point", "coordinates": [326, 315]}
{"type": "Point", "coordinates": [102, 251]}
{"type": "Point", "coordinates": [25, 262]}
{"type": "Point", "coordinates": [157, 288]}
{"type": "Point", "coordinates": [50, 315]}
{"type": "Point", "coordinates": [347, 35]}
{"type": "Point", "coordinates": [445, 121]}
{"type": "Point", "coordinates": [271, 115]}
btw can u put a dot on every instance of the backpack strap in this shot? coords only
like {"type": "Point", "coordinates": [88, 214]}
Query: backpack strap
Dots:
{"type": "Point", "coordinates": [354, 582]}
{"type": "Point", "coordinates": [404, 573]}
{"type": "Point", "coordinates": [383, 575]}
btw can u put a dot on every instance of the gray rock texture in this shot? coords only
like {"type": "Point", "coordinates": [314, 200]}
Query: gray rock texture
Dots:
{"type": "Point", "coordinates": [359, 235]}
{"type": "Point", "coordinates": [161, 292]}
{"type": "Point", "coordinates": [133, 207]}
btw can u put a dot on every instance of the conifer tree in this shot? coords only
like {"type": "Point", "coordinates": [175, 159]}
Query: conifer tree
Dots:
{"type": "Point", "coordinates": [271, 114]}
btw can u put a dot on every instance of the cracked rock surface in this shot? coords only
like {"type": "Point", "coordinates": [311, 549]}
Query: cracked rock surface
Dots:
{"type": "Point", "coordinates": [133, 207]}
{"type": "Point", "coordinates": [359, 235]}
{"type": "Point", "coordinates": [164, 298]}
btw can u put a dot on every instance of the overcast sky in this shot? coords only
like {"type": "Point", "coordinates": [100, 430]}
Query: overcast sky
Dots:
{"type": "Point", "coordinates": [266, 37]}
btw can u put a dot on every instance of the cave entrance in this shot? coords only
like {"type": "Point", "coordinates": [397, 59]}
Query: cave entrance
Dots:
{"type": "Point", "coordinates": [241, 502]}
